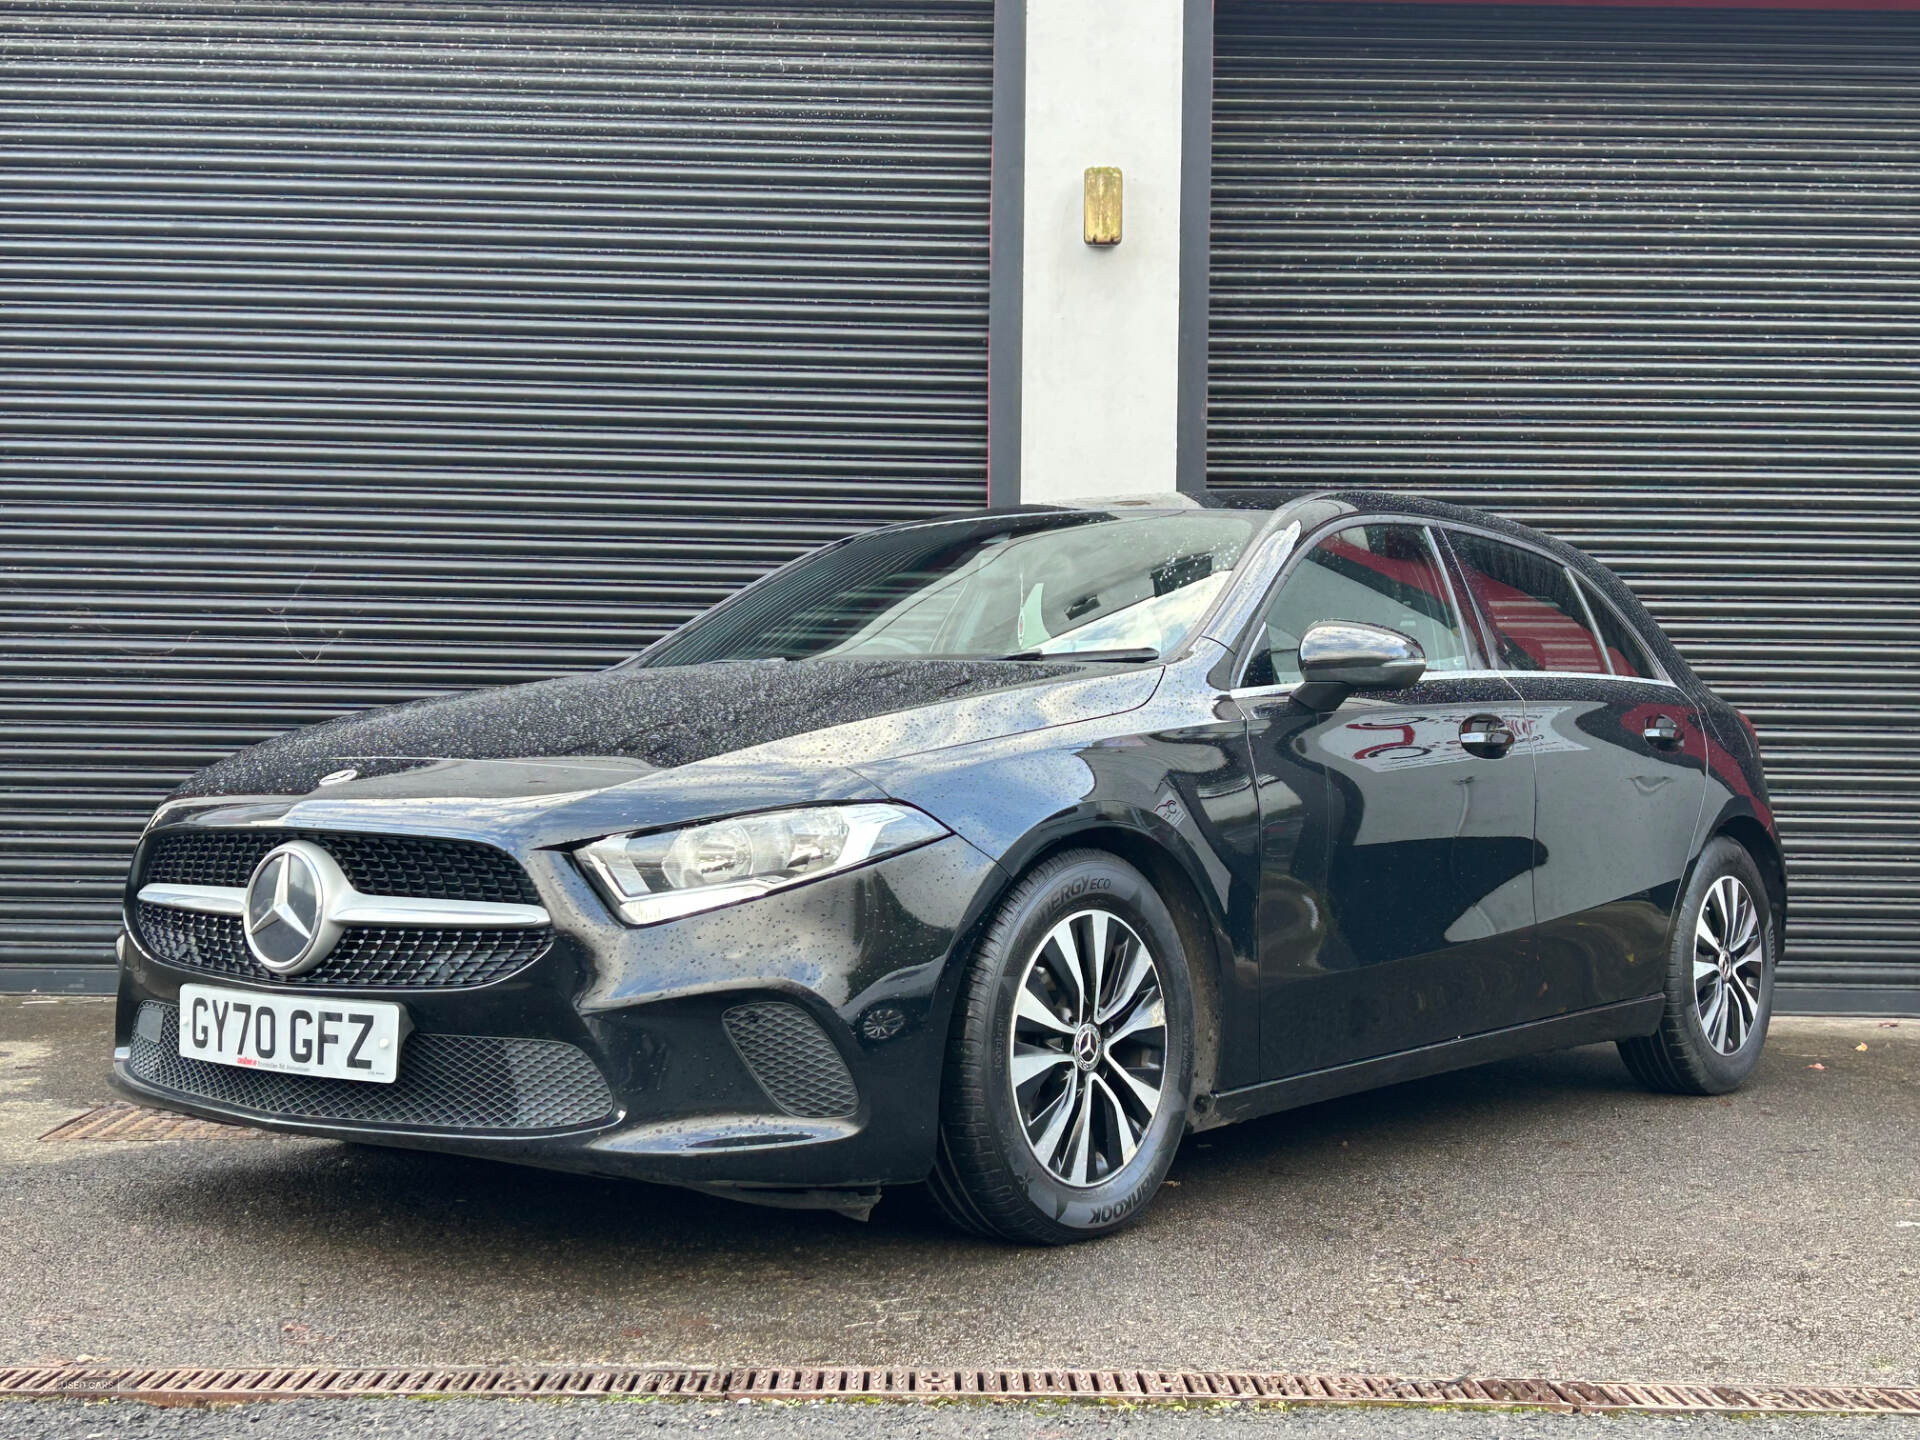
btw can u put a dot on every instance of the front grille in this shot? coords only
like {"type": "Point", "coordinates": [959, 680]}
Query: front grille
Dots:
{"type": "Point", "coordinates": [368, 956]}
{"type": "Point", "coordinates": [427, 867]}
{"type": "Point", "coordinates": [446, 1082]}
{"type": "Point", "coordinates": [424, 867]}
{"type": "Point", "coordinates": [792, 1059]}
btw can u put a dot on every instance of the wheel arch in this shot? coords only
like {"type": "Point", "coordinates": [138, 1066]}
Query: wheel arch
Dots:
{"type": "Point", "coordinates": [1201, 927]}
{"type": "Point", "coordinates": [1746, 831]}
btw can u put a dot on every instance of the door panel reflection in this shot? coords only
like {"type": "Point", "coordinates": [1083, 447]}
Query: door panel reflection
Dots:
{"type": "Point", "coordinates": [1396, 904]}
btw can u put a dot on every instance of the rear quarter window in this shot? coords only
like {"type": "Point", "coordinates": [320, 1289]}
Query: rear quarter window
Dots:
{"type": "Point", "coordinates": [1625, 650]}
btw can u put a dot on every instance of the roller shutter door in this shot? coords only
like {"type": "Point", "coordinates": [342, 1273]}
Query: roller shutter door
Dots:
{"type": "Point", "coordinates": [1649, 280]}
{"type": "Point", "coordinates": [356, 352]}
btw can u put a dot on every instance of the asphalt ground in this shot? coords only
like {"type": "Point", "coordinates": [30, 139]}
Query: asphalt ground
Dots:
{"type": "Point", "coordinates": [1537, 1217]}
{"type": "Point", "coordinates": [547, 1420]}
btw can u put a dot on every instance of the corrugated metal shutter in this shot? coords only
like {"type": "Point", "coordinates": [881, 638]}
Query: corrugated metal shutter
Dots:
{"type": "Point", "coordinates": [1651, 281]}
{"type": "Point", "coordinates": [355, 352]}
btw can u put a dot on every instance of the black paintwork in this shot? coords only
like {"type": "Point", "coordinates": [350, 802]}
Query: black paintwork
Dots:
{"type": "Point", "coordinates": [1363, 904]}
{"type": "Point", "coordinates": [662, 718]}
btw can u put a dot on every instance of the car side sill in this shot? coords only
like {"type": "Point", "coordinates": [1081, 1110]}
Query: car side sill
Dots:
{"type": "Point", "coordinates": [1583, 1027]}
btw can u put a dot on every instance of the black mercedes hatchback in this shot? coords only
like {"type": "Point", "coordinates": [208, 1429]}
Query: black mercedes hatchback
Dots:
{"type": "Point", "coordinates": [997, 852]}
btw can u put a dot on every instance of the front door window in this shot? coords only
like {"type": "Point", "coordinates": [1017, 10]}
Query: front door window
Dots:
{"type": "Point", "coordinates": [1385, 575]}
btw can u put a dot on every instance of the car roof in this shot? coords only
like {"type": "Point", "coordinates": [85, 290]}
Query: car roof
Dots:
{"type": "Point", "coordinates": [1277, 499]}
{"type": "Point", "coordinates": [1257, 498]}
{"type": "Point", "coordinates": [1335, 501]}
{"type": "Point", "coordinates": [1314, 506]}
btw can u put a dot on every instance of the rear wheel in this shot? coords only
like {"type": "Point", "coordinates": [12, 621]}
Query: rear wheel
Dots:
{"type": "Point", "coordinates": [1719, 981]}
{"type": "Point", "coordinates": [1070, 1062]}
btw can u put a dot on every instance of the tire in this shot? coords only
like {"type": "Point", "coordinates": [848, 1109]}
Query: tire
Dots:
{"type": "Point", "coordinates": [1702, 1048]}
{"type": "Point", "coordinates": [989, 1175]}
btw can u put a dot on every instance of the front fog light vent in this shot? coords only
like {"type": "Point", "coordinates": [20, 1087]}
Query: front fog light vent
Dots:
{"type": "Point", "coordinates": [792, 1059]}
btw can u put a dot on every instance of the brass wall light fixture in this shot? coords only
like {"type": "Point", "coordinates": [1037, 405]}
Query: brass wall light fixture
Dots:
{"type": "Point", "coordinates": [1101, 211]}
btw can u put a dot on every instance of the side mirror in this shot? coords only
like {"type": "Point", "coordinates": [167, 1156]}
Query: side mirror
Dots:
{"type": "Point", "coordinates": [1338, 657]}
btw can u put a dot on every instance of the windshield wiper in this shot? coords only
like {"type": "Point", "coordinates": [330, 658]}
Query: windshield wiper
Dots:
{"type": "Point", "coordinates": [1137, 655]}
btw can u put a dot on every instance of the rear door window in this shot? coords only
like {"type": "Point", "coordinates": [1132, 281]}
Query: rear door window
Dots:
{"type": "Point", "coordinates": [1537, 619]}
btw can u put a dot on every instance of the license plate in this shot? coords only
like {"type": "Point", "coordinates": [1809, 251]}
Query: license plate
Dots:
{"type": "Point", "coordinates": [296, 1034]}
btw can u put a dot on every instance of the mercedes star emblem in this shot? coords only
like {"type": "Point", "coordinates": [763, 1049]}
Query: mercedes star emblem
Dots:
{"type": "Point", "coordinates": [288, 922]}
{"type": "Point", "coordinates": [1086, 1047]}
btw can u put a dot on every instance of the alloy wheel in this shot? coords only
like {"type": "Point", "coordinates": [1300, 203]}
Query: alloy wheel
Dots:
{"type": "Point", "coordinates": [1088, 1047]}
{"type": "Point", "coordinates": [1728, 960]}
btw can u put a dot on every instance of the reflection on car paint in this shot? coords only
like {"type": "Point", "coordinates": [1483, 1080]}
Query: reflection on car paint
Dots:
{"type": "Point", "coordinates": [1432, 737]}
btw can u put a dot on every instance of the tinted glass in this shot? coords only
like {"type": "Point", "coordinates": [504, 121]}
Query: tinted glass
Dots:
{"type": "Point", "coordinates": [1624, 649]}
{"type": "Point", "coordinates": [982, 588]}
{"type": "Point", "coordinates": [1379, 574]}
{"type": "Point", "coordinates": [1538, 623]}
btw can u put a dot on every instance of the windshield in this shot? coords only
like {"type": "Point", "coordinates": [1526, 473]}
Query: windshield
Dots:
{"type": "Point", "coordinates": [998, 587]}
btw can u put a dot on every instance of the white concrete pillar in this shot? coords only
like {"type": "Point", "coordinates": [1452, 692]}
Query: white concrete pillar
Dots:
{"type": "Point", "coordinates": [1100, 326]}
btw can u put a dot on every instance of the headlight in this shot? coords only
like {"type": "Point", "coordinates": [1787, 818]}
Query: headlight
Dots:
{"type": "Point", "coordinates": [650, 878]}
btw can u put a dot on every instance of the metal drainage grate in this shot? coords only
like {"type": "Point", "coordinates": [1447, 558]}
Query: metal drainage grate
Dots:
{"type": "Point", "coordinates": [193, 1384]}
{"type": "Point", "coordinates": [135, 1122]}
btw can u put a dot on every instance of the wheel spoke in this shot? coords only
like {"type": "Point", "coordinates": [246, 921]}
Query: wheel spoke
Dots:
{"type": "Point", "coordinates": [1147, 1095]}
{"type": "Point", "coordinates": [1747, 991]}
{"type": "Point", "coordinates": [1746, 929]}
{"type": "Point", "coordinates": [1031, 1007]}
{"type": "Point", "coordinates": [1723, 906]}
{"type": "Point", "coordinates": [1150, 1016]}
{"type": "Point", "coordinates": [1133, 981]}
{"type": "Point", "coordinates": [1080, 1154]}
{"type": "Point", "coordinates": [1066, 945]}
{"type": "Point", "coordinates": [1715, 1018]}
{"type": "Point", "coordinates": [1035, 1063]}
{"type": "Point", "coordinates": [1056, 1116]}
{"type": "Point", "coordinates": [1705, 938]}
{"type": "Point", "coordinates": [1098, 925]}
{"type": "Point", "coordinates": [1740, 1014]}
{"type": "Point", "coordinates": [1123, 1132]}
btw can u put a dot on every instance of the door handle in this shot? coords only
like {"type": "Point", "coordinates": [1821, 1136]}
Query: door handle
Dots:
{"type": "Point", "coordinates": [1662, 730]}
{"type": "Point", "coordinates": [1487, 736]}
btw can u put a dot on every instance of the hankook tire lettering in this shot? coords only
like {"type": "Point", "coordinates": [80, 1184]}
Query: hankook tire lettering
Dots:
{"type": "Point", "coordinates": [1103, 1214]}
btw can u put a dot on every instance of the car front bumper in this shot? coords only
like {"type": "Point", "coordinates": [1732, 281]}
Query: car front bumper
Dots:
{"type": "Point", "coordinates": [787, 1049]}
